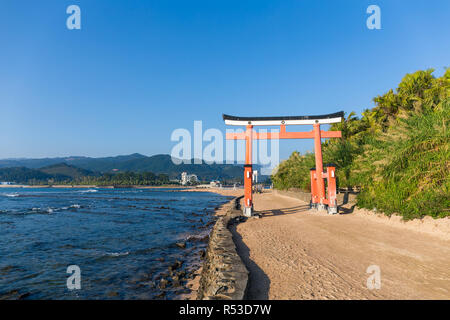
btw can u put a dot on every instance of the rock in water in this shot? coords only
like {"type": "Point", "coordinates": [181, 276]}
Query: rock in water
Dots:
{"type": "Point", "coordinates": [181, 245]}
{"type": "Point", "coordinates": [176, 265]}
{"type": "Point", "coordinates": [163, 284]}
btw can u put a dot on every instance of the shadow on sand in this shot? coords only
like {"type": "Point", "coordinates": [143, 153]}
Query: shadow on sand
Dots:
{"type": "Point", "coordinates": [282, 211]}
{"type": "Point", "coordinates": [258, 282]}
{"type": "Point", "coordinates": [346, 207]}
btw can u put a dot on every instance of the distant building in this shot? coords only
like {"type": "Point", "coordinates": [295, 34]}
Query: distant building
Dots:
{"type": "Point", "coordinates": [188, 178]}
{"type": "Point", "coordinates": [215, 184]}
{"type": "Point", "coordinates": [6, 183]}
{"type": "Point", "coordinates": [183, 180]}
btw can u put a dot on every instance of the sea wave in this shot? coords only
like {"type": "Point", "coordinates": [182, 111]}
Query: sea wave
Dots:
{"type": "Point", "coordinates": [53, 209]}
{"type": "Point", "coordinates": [44, 210]}
{"type": "Point", "coordinates": [88, 191]}
{"type": "Point", "coordinates": [11, 195]}
{"type": "Point", "coordinates": [117, 254]}
{"type": "Point", "coordinates": [197, 237]}
{"type": "Point", "coordinates": [146, 243]}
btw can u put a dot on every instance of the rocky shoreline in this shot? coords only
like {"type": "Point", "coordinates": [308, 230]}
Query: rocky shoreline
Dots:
{"type": "Point", "coordinates": [173, 283]}
{"type": "Point", "coordinates": [224, 275]}
{"type": "Point", "coordinates": [184, 277]}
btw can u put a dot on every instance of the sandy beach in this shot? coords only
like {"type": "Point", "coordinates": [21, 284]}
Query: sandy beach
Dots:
{"type": "Point", "coordinates": [224, 192]}
{"type": "Point", "coordinates": [296, 253]}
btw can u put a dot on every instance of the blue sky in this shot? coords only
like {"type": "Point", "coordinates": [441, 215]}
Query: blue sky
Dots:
{"type": "Point", "coordinates": [137, 70]}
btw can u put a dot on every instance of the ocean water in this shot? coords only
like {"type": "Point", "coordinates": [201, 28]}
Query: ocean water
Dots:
{"type": "Point", "coordinates": [123, 240]}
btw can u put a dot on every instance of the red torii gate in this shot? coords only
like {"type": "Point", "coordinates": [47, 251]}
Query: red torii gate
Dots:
{"type": "Point", "coordinates": [318, 197]}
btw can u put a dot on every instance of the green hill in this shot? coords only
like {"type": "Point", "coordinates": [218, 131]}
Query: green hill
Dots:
{"type": "Point", "coordinates": [157, 164]}
{"type": "Point", "coordinates": [22, 175]}
{"type": "Point", "coordinates": [105, 164]}
{"type": "Point", "coordinates": [63, 169]}
{"type": "Point", "coordinates": [163, 164]}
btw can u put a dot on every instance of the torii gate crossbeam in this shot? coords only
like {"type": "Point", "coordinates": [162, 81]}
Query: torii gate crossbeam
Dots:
{"type": "Point", "coordinates": [318, 197]}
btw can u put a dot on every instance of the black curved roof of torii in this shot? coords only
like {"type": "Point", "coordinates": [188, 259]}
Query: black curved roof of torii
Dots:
{"type": "Point", "coordinates": [278, 118]}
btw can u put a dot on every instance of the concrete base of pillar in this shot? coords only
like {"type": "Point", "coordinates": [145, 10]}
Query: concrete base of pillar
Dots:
{"type": "Point", "coordinates": [247, 211]}
{"type": "Point", "coordinates": [332, 210]}
{"type": "Point", "coordinates": [321, 207]}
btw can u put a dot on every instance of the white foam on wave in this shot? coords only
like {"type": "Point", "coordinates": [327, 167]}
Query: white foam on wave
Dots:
{"type": "Point", "coordinates": [88, 191]}
{"type": "Point", "coordinates": [51, 210]}
{"type": "Point", "coordinates": [117, 254]}
{"type": "Point", "coordinates": [44, 210]}
{"type": "Point", "coordinates": [11, 195]}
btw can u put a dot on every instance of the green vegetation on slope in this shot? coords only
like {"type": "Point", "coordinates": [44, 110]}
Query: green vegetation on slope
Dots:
{"type": "Point", "coordinates": [127, 179]}
{"type": "Point", "coordinates": [66, 170]}
{"type": "Point", "coordinates": [398, 152]}
{"type": "Point", "coordinates": [22, 175]}
{"type": "Point", "coordinates": [161, 163]}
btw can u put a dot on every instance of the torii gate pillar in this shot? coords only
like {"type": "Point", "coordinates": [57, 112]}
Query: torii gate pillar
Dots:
{"type": "Point", "coordinates": [320, 185]}
{"type": "Point", "coordinates": [248, 173]}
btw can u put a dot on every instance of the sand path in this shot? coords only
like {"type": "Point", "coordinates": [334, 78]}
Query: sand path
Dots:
{"type": "Point", "coordinates": [295, 253]}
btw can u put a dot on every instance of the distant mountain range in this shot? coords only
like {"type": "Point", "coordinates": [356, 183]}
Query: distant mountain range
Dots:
{"type": "Point", "coordinates": [75, 167]}
{"type": "Point", "coordinates": [56, 172]}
